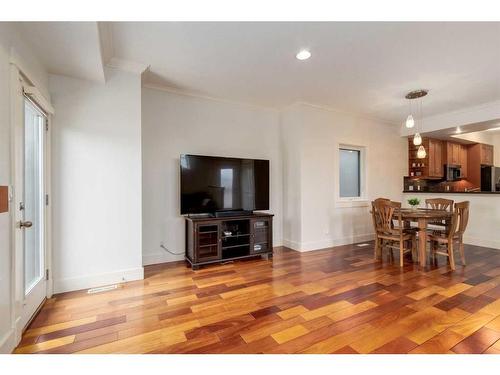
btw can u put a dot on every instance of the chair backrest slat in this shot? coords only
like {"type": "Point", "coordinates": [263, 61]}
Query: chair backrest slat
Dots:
{"type": "Point", "coordinates": [385, 212]}
{"type": "Point", "coordinates": [376, 221]}
{"type": "Point", "coordinates": [439, 204]}
{"type": "Point", "coordinates": [462, 210]}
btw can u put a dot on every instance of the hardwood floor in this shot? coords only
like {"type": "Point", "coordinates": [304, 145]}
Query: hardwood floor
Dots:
{"type": "Point", "coordinates": [330, 301]}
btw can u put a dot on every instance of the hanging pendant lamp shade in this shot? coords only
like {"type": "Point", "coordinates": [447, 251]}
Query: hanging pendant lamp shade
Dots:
{"type": "Point", "coordinates": [417, 139]}
{"type": "Point", "coordinates": [421, 153]}
{"type": "Point", "coordinates": [410, 122]}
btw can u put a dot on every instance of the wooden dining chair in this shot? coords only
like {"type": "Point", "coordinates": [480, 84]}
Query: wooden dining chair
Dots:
{"type": "Point", "coordinates": [453, 235]}
{"type": "Point", "coordinates": [386, 214]}
{"type": "Point", "coordinates": [439, 204]}
{"type": "Point", "coordinates": [375, 222]}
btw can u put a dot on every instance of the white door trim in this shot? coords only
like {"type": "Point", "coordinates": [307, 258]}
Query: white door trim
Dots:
{"type": "Point", "coordinates": [18, 80]}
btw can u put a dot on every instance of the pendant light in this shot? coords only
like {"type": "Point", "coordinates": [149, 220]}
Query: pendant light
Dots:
{"type": "Point", "coordinates": [410, 122]}
{"type": "Point", "coordinates": [421, 153]}
{"type": "Point", "coordinates": [417, 139]}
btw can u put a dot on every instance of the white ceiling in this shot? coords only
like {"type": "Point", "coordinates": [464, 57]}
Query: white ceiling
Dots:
{"type": "Point", "coordinates": [360, 67]}
{"type": "Point", "coordinates": [66, 48]}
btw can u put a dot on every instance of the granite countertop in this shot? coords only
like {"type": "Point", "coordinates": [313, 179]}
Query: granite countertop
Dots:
{"type": "Point", "coordinates": [450, 192]}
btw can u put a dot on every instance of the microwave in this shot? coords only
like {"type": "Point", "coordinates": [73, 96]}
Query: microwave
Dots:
{"type": "Point", "coordinates": [453, 172]}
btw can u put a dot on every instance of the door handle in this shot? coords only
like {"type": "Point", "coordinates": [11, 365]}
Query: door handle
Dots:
{"type": "Point", "coordinates": [25, 224]}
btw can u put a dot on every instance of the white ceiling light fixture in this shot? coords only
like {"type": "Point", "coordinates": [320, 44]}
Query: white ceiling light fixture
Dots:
{"type": "Point", "coordinates": [303, 54]}
{"type": "Point", "coordinates": [410, 122]}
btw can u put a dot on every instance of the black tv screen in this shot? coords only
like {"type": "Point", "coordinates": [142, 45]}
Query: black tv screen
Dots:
{"type": "Point", "coordinates": [210, 184]}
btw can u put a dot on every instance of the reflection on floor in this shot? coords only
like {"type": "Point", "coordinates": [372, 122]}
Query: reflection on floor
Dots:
{"type": "Point", "coordinates": [337, 300]}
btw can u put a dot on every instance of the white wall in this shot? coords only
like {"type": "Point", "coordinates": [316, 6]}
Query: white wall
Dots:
{"type": "Point", "coordinates": [324, 222]}
{"type": "Point", "coordinates": [5, 179]}
{"type": "Point", "coordinates": [496, 148]}
{"type": "Point", "coordinates": [484, 216]}
{"type": "Point", "coordinates": [174, 124]}
{"type": "Point", "coordinates": [96, 171]}
{"type": "Point", "coordinates": [291, 144]}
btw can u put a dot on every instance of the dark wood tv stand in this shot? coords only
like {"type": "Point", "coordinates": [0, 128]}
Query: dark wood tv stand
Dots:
{"type": "Point", "coordinates": [220, 239]}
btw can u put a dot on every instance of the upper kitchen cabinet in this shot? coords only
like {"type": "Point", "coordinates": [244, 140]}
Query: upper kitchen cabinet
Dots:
{"type": "Point", "coordinates": [451, 154]}
{"type": "Point", "coordinates": [481, 154]}
{"type": "Point", "coordinates": [435, 158]}
{"type": "Point", "coordinates": [463, 160]}
{"type": "Point", "coordinates": [486, 154]}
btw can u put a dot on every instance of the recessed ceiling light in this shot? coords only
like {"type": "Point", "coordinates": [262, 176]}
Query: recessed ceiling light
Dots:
{"type": "Point", "coordinates": [493, 129]}
{"type": "Point", "coordinates": [303, 54]}
{"type": "Point", "coordinates": [458, 130]}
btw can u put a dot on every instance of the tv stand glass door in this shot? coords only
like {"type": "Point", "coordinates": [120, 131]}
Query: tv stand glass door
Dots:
{"type": "Point", "coordinates": [261, 235]}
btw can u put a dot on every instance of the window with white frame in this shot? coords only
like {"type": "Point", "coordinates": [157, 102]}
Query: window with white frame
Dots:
{"type": "Point", "coordinates": [351, 173]}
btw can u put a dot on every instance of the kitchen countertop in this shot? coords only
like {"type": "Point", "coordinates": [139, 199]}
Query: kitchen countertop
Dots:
{"type": "Point", "coordinates": [451, 192]}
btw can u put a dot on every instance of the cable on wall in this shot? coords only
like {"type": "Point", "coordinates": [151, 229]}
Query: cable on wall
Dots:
{"type": "Point", "coordinates": [171, 252]}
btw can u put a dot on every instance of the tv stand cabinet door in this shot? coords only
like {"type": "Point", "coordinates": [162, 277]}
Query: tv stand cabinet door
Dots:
{"type": "Point", "coordinates": [207, 241]}
{"type": "Point", "coordinates": [261, 235]}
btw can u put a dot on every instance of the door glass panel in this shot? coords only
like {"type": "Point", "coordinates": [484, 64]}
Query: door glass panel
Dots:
{"type": "Point", "coordinates": [34, 122]}
{"type": "Point", "coordinates": [208, 241]}
{"type": "Point", "coordinates": [261, 232]}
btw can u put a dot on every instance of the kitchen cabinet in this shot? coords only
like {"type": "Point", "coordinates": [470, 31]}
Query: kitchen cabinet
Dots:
{"type": "Point", "coordinates": [463, 160]}
{"type": "Point", "coordinates": [435, 158]}
{"type": "Point", "coordinates": [477, 155]}
{"type": "Point", "coordinates": [486, 154]}
{"type": "Point", "coordinates": [452, 153]}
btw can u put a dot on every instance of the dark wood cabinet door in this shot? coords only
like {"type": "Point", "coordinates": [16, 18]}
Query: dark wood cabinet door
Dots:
{"type": "Point", "coordinates": [261, 235]}
{"type": "Point", "coordinates": [207, 242]}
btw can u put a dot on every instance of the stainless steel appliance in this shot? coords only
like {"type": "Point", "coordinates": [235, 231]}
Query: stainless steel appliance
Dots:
{"type": "Point", "coordinates": [453, 172]}
{"type": "Point", "coordinates": [486, 178]}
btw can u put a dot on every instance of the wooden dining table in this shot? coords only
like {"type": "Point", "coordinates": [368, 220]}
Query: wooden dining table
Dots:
{"type": "Point", "coordinates": [423, 216]}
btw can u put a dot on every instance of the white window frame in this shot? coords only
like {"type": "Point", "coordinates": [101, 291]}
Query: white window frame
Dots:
{"type": "Point", "coordinates": [362, 200]}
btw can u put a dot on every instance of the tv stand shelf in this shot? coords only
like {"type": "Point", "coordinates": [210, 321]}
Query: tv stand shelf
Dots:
{"type": "Point", "coordinates": [208, 240]}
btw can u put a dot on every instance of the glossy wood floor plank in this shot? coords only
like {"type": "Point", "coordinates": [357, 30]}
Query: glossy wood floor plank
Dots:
{"type": "Point", "coordinates": [331, 301]}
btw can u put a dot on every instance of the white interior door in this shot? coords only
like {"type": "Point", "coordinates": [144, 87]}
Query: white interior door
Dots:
{"type": "Point", "coordinates": [32, 210]}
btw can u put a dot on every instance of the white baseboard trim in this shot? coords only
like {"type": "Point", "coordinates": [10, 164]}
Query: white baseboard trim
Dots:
{"type": "Point", "coordinates": [93, 281]}
{"type": "Point", "coordinates": [8, 342]}
{"type": "Point", "coordinates": [294, 245]}
{"type": "Point", "coordinates": [160, 257]}
{"type": "Point", "coordinates": [494, 244]}
{"type": "Point", "coordinates": [326, 243]}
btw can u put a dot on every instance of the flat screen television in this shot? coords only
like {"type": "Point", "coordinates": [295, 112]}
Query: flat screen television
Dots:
{"type": "Point", "coordinates": [210, 184]}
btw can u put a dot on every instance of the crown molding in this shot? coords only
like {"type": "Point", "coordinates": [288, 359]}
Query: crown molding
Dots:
{"type": "Point", "coordinates": [349, 113]}
{"type": "Point", "coordinates": [171, 90]}
{"type": "Point", "coordinates": [127, 65]}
